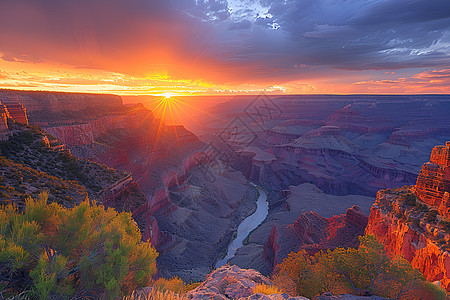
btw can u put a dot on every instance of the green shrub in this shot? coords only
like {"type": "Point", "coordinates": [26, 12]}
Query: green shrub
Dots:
{"type": "Point", "coordinates": [366, 270]}
{"type": "Point", "coordinates": [445, 225]}
{"type": "Point", "coordinates": [430, 217]}
{"type": "Point", "coordinates": [409, 199]}
{"type": "Point", "coordinates": [66, 252]}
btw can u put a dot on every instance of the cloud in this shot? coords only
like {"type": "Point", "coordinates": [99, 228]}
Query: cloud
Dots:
{"type": "Point", "coordinates": [229, 41]}
{"type": "Point", "coordinates": [433, 81]}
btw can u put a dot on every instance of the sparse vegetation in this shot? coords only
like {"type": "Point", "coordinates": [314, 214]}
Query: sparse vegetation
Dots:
{"type": "Point", "coordinates": [266, 289]}
{"type": "Point", "coordinates": [409, 199]}
{"type": "Point", "coordinates": [445, 224]}
{"type": "Point", "coordinates": [431, 216]}
{"type": "Point", "coordinates": [26, 147]}
{"type": "Point", "coordinates": [366, 270]}
{"type": "Point", "coordinates": [50, 251]}
{"type": "Point", "coordinates": [155, 294]}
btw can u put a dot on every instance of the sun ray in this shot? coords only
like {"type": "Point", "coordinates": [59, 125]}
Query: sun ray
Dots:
{"type": "Point", "coordinates": [157, 135]}
{"type": "Point", "coordinates": [174, 127]}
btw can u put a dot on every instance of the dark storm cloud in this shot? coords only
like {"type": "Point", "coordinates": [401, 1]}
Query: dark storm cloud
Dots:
{"type": "Point", "coordinates": [124, 34]}
{"type": "Point", "coordinates": [365, 34]}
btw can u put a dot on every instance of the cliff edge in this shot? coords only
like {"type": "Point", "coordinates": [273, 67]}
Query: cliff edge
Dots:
{"type": "Point", "coordinates": [414, 221]}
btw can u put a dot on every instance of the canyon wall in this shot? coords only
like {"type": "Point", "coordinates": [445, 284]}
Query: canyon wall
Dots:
{"type": "Point", "coordinates": [404, 231]}
{"type": "Point", "coordinates": [413, 221]}
{"type": "Point", "coordinates": [58, 101]}
{"type": "Point", "coordinates": [315, 233]}
{"type": "Point", "coordinates": [433, 182]}
{"type": "Point", "coordinates": [86, 133]}
{"type": "Point", "coordinates": [11, 111]}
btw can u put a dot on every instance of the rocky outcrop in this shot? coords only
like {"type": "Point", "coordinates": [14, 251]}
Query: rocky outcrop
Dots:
{"type": "Point", "coordinates": [86, 133]}
{"type": "Point", "coordinates": [417, 227]}
{"type": "Point", "coordinates": [58, 102]}
{"type": "Point", "coordinates": [11, 111]}
{"type": "Point", "coordinates": [232, 282]}
{"type": "Point", "coordinates": [18, 113]}
{"type": "Point", "coordinates": [4, 115]}
{"type": "Point", "coordinates": [315, 233]}
{"type": "Point", "coordinates": [406, 227]}
{"type": "Point", "coordinates": [433, 182]}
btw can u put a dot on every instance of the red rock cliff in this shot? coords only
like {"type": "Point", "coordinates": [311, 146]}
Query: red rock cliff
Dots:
{"type": "Point", "coordinates": [86, 133]}
{"type": "Point", "coordinates": [410, 231]}
{"type": "Point", "coordinates": [57, 101]}
{"type": "Point", "coordinates": [314, 233]}
{"type": "Point", "coordinates": [433, 183]}
{"type": "Point", "coordinates": [413, 221]}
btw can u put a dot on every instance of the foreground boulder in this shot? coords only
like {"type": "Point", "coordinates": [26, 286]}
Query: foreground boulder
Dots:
{"type": "Point", "coordinates": [232, 282]}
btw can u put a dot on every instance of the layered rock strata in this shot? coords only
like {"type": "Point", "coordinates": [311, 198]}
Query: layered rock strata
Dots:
{"type": "Point", "coordinates": [314, 233]}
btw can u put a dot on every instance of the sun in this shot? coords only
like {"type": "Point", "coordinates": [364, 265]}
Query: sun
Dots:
{"type": "Point", "coordinates": [167, 95]}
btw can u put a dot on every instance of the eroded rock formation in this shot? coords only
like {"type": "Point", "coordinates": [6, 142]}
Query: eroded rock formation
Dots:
{"type": "Point", "coordinates": [314, 233]}
{"type": "Point", "coordinates": [413, 232]}
{"type": "Point", "coordinates": [37, 101]}
{"type": "Point", "coordinates": [232, 282]}
{"type": "Point", "coordinates": [433, 183]}
{"type": "Point", "coordinates": [11, 111]}
{"type": "Point", "coordinates": [417, 227]}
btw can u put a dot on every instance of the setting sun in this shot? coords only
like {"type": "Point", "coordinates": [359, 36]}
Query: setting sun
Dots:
{"type": "Point", "coordinates": [167, 95]}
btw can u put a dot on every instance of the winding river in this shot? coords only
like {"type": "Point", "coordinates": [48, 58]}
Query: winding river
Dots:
{"type": "Point", "coordinates": [249, 223]}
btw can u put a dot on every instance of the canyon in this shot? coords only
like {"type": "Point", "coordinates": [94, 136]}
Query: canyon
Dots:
{"type": "Point", "coordinates": [321, 160]}
{"type": "Point", "coordinates": [413, 221]}
{"type": "Point", "coordinates": [181, 200]}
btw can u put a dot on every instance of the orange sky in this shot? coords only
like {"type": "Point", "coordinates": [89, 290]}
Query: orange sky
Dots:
{"type": "Point", "coordinates": [190, 47]}
{"type": "Point", "coordinates": [59, 77]}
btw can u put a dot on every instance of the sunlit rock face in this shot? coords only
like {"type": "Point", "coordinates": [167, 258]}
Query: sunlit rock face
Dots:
{"type": "Point", "coordinates": [315, 233]}
{"type": "Point", "coordinates": [13, 111]}
{"type": "Point", "coordinates": [232, 282]}
{"type": "Point", "coordinates": [416, 227]}
{"type": "Point", "coordinates": [18, 113]}
{"type": "Point", "coordinates": [41, 104]}
{"type": "Point", "coordinates": [433, 183]}
{"type": "Point", "coordinates": [405, 231]}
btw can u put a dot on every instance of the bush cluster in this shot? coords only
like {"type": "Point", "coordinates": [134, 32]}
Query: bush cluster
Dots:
{"type": "Point", "coordinates": [363, 271]}
{"type": "Point", "coordinates": [49, 251]}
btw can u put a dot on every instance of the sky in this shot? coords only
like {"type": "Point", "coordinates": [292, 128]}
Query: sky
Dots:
{"type": "Point", "coordinates": [184, 47]}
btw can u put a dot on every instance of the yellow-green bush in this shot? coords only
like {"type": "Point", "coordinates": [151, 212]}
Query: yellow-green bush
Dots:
{"type": "Point", "coordinates": [156, 294]}
{"type": "Point", "coordinates": [358, 271]}
{"type": "Point", "coordinates": [52, 251]}
{"type": "Point", "coordinates": [175, 285]}
{"type": "Point", "coordinates": [266, 289]}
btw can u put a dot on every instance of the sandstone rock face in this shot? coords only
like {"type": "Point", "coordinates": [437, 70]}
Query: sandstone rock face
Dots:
{"type": "Point", "coordinates": [14, 111]}
{"type": "Point", "coordinates": [3, 120]}
{"type": "Point", "coordinates": [314, 233]}
{"type": "Point", "coordinates": [86, 133]}
{"type": "Point", "coordinates": [232, 282]}
{"type": "Point", "coordinates": [18, 113]}
{"type": "Point", "coordinates": [418, 242]}
{"type": "Point", "coordinates": [434, 180]}
{"type": "Point", "coordinates": [54, 101]}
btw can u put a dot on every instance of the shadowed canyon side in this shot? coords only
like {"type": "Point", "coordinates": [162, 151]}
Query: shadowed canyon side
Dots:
{"type": "Point", "coordinates": [342, 144]}
{"type": "Point", "coordinates": [177, 206]}
{"type": "Point", "coordinates": [413, 221]}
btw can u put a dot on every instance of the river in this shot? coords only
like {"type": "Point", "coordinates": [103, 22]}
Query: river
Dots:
{"type": "Point", "coordinates": [249, 223]}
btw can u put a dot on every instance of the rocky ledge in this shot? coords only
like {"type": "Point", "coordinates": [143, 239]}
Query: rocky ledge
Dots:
{"type": "Point", "coordinates": [408, 227]}
{"type": "Point", "coordinates": [414, 221]}
{"type": "Point", "coordinates": [232, 282]}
